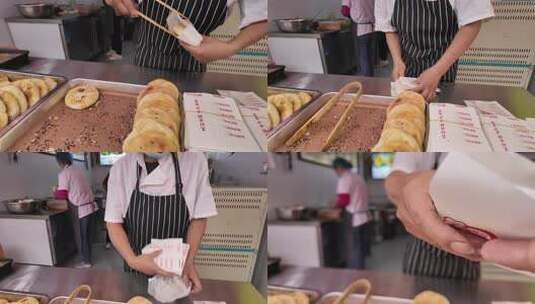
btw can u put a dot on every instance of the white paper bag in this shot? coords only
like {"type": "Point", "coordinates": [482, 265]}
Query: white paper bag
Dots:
{"type": "Point", "coordinates": [494, 192]}
{"type": "Point", "coordinates": [402, 84]}
{"type": "Point", "coordinates": [215, 123]}
{"type": "Point", "coordinates": [168, 289]}
{"type": "Point", "coordinates": [489, 107]}
{"type": "Point", "coordinates": [455, 128]}
{"type": "Point", "coordinates": [184, 30]}
{"type": "Point", "coordinates": [508, 134]}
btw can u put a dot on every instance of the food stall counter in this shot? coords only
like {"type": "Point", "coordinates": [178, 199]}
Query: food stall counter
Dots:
{"type": "Point", "coordinates": [397, 285]}
{"type": "Point", "coordinates": [188, 82]}
{"type": "Point", "coordinates": [518, 101]}
{"type": "Point", "coordinates": [115, 285]}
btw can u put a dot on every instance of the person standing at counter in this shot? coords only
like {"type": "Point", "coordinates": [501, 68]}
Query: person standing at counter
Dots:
{"type": "Point", "coordinates": [157, 49]}
{"type": "Point", "coordinates": [158, 195]}
{"type": "Point", "coordinates": [436, 250]}
{"type": "Point", "coordinates": [74, 187]}
{"type": "Point", "coordinates": [427, 37]}
{"type": "Point", "coordinates": [352, 198]}
{"type": "Point", "coordinates": [361, 12]}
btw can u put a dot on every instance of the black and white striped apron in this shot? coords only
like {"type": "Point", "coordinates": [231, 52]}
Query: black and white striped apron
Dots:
{"type": "Point", "coordinates": [157, 49]}
{"type": "Point", "coordinates": [422, 258]}
{"type": "Point", "coordinates": [159, 217]}
{"type": "Point", "coordinates": [426, 29]}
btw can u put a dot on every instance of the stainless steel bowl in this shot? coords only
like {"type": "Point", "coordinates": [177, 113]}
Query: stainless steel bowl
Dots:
{"type": "Point", "coordinates": [295, 25]}
{"type": "Point", "coordinates": [23, 206]}
{"type": "Point", "coordinates": [36, 10]}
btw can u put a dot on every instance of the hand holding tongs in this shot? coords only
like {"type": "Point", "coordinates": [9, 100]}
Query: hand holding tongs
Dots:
{"type": "Point", "coordinates": [163, 28]}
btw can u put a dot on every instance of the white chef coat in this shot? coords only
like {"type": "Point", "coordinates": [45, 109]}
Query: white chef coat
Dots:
{"type": "Point", "coordinates": [354, 185]}
{"type": "Point", "coordinates": [467, 11]}
{"type": "Point", "coordinates": [161, 181]}
{"type": "Point", "coordinates": [410, 162]}
{"type": "Point", "coordinates": [252, 11]}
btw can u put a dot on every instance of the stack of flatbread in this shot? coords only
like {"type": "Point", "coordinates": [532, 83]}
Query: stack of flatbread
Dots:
{"type": "Point", "coordinates": [157, 121]}
{"type": "Point", "coordinates": [282, 106]}
{"type": "Point", "coordinates": [404, 128]}
{"type": "Point", "coordinates": [17, 96]}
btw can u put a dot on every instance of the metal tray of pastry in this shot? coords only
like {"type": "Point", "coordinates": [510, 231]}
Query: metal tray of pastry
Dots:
{"type": "Point", "coordinates": [331, 297]}
{"type": "Point", "coordinates": [14, 296]}
{"type": "Point", "coordinates": [282, 134]}
{"type": "Point", "coordinates": [61, 300]}
{"type": "Point", "coordinates": [41, 111]}
{"type": "Point", "coordinates": [281, 90]}
{"type": "Point", "coordinates": [14, 75]}
{"type": "Point", "coordinates": [312, 295]}
{"type": "Point", "coordinates": [13, 58]}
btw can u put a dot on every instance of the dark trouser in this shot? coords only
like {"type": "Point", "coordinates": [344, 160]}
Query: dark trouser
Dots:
{"type": "Point", "coordinates": [361, 246]}
{"type": "Point", "coordinates": [366, 52]}
{"type": "Point", "coordinates": [382, 46]}
{"type": "Point", "coordinates": [85, 237]}
{"type": "Point", "coordinates": [117, 36]}
{"type": "Point", "coordinates": [357, 242]}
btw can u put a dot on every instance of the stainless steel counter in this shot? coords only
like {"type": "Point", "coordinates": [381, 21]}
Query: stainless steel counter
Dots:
{"type": "Point", "coordinates": [116, 285]}
{"type": "Point", "coordinates": [42, 215]}
{"type": "Point", "coordinates": [518, 101]}
{"type": "Point", "coordinates": [188, 82]}
{"type": "Point", "coordinates": [53, 20]}
{"type": "Point", "coordinates": [313, 35]}
{"type": "Point", "coordinates": [394, 284]}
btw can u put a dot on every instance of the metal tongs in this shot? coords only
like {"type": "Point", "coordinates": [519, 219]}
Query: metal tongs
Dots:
{"type": "Point", "coordinates": [357, 87]}
{"type": "Point", "coordinates": [163, 28]}
{"type": "Point", "coordinates": [358, 284]}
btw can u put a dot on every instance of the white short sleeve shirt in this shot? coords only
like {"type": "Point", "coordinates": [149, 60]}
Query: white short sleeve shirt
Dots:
{"type": "Point", "coordinates": [410, 162]}
{"type": "Point", "coordinates": [354, 185]}
{"type": "Point", "coordinates": [252, 11]}
{"type": "Point", "coordinates": [467, 11]}
{"type": "Point", "coordinates": [161, 181]}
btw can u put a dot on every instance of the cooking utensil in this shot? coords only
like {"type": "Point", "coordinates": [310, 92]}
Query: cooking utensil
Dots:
{"type": "Point", "coordinates": [295, 25]}
{"type": "Point", "coordinates": [23, 206]}
{"type": "Point", "coordinates": [36, 10]}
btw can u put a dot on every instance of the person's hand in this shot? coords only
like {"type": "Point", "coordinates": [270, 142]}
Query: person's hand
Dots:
{"type": "Point", "coordinates": [145, 264]}
{"type": "Point", "coordinates": [345, 11]}
{"type": "Point", "coordinates": [191, 277]}
{"type": "Point", "coordinates": [123, 7]}
{"type": "Point", "coordinates": [518, 254]}
{"type": "Point", "coordinates": [419, 216]}
{"type": "Point", "coordinates": [210, 49]}
{"type": "Point", "coordinates": [398, 70]}
{"type": "Point", "coordinates": [428, 82]}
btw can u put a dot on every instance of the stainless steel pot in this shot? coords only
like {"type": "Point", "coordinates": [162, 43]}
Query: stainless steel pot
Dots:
{"type": "Point", "coordinates": [295, 25]}
{"type": "Point", "coordinates": [293, 213]}
{"type": "Point", "coordinates": [23, 206]}
{"type": "Point", "coordinates": [36, 10]}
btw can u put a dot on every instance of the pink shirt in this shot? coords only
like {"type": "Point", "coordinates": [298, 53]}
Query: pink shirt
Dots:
{"type": "Point", "coordinates": [355, 186]}
{"type": "Point", "coordinates": [74, 181]}
{"type": "Point", "coordinates": [362, 13]}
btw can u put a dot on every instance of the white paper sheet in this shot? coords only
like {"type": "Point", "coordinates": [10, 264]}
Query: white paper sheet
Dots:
{"type": "Point", "coordinates": [253, 110]}
{"type": "Point", "coordinates": [455, 128]}
{"type": "Point", "coordinates": [214, 123]}
{"type": "Point", "coordinates": [494, 192]}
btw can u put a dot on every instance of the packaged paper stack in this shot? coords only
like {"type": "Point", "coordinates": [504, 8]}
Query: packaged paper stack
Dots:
{"type": "Point", "coordinates": [214, 123]}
